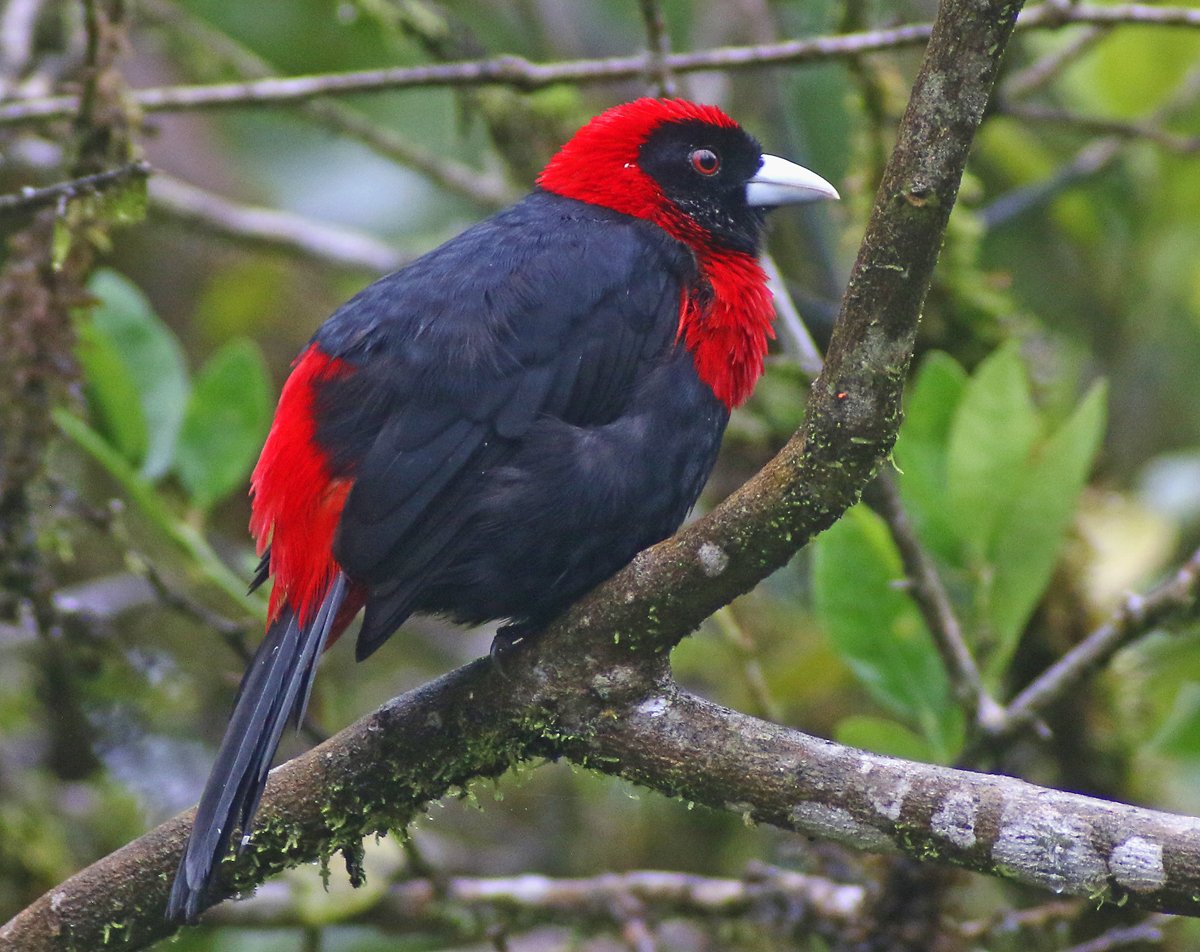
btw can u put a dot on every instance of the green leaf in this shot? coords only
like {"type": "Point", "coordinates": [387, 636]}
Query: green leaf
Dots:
{"type": "Point", "coordinates": [111, 394]}
{"type": "Point", "coordinates": [920, 453]}
{"type": "Point", "coordinates": [153, 506]}
{"type": "Point", "coordinates": [153, 365]}
{"type": "Point", "coordinates": [1030, 533]}
{"type": "Point", "coordinates": [875, 627]}
{"type": "Point", "coordinates": [225, 423]}
{"type": "Point", "coordinates": [990, 439]}
{"type": "Point", "coordinates": [1179, 735]}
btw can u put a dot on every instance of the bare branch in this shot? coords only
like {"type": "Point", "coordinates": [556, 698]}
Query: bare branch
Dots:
{"type": "Point", "coordinates": [30, 199]}
{"type": "Point", "coordinates": [1090, 160]}
{"type": "Point", "coordinates": [1122, 936]}
{"type": "Point", "coordinates": [272, 227]}
{"type": "Point", "coordinates": [659, 48]}
{"type": "Point", "coordinates": [1149, 131]}
{"type": "Point", "coordinates": [1172, 601]}
{"type": "Point", "coordinates": [425, 905]}
{"type": "Point", "coordinates": [1059, 841]}
{"type": "Point", "coordinates": [793, 331]}
{"type": "Point", "coordinates": [1045, 70]}
{"type": "Point", "coordinates": [502, 70]}
{"type": "Point", "coordinates": [487, 190]}
{"type": "Point", "coordinates": [376, 774]}
{"type": "Point", "coordinates": [522, 74]}
{"type": "Point", "coordinates": [926, 589]}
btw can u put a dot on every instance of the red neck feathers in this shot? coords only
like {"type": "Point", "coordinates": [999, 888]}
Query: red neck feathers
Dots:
{"type": "Point", "coordinates": [726, 322]}
{"type": "Point", "coordinates": [727, 325]}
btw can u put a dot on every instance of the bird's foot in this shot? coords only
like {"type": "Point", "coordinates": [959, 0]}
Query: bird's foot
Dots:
{"type": "Point", "coordinates": [507, 640]}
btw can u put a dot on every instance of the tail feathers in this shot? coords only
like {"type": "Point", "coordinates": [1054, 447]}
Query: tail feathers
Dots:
{"type": "Point", "coordinates": [274, 690]}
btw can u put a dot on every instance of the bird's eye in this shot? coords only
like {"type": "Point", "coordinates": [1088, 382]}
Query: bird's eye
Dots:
{"type": "Point", "coordinates": [705, 161]}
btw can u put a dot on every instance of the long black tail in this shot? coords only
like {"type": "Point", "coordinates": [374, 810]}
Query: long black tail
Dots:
{"type": "Point", "coordinates": [274, 690]}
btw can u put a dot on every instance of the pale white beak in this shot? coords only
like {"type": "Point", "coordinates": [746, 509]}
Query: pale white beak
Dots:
{"type": "Point", "coordinates": [780, 182]}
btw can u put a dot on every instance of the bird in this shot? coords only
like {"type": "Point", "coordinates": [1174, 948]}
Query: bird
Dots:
{"type": "Point", "coordinates": [492, 430]}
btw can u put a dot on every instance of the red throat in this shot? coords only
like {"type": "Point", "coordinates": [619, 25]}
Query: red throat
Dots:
{"type": "Point", "coordinates": [296, 500]}
{"type": "Point", "coordinates": [727, 326]}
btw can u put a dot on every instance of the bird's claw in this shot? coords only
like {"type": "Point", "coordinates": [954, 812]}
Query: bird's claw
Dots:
{"type": "Point", "coordinates": [506, 641]}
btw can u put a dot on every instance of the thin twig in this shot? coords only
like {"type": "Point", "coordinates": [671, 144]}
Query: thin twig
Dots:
{"type": "Point", "coordinates": [513, 71]}
{"type": "Point", "coordinates": [925, 587]}
{"type": "Point", "coordinates": [1042, 72]}
{"type": "Point", "coordinates": [1137, 616]}
{"type": "Point", "coordinates": [756, 682]}
{"type": "Point", "coordinates": [1090, 160]}
{"type": "Point", "coordinates": [231, 632]}
{"type": "Point", "coordinates": [1149, 131]}
{"type": "Point", "coordinates": [421, 904]}
{"type": "Point", "coordinates": [523, 74]}
{"type": "Point", "coordinates": [1008, 921]}
{"type": "Point", "coordinates": [487, 190]}
{"type": "Point", "coordinates": [1122, 936]}
{"type": "Point", "coordinates": [658, 44]}
{"type": "Point", "coordinates": [794, 334]}
{"type": "Point", "coordinates": [31, 199]}
{"type": "Point", "coordinates": [272, 227]}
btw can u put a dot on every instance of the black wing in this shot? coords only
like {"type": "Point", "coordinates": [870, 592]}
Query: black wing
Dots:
{"type": "Point", "coordinates": [553, 307]}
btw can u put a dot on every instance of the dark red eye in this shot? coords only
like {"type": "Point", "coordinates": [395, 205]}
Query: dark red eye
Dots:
{"type": "Point", "coordinates": [705, 161]}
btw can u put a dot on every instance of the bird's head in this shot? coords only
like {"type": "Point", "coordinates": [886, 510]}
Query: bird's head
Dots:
{"type": "Point", "coordinates": [689, 168]}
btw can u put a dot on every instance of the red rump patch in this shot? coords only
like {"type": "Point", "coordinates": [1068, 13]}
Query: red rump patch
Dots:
{"type": "Point", "coordinates": [296, 501]}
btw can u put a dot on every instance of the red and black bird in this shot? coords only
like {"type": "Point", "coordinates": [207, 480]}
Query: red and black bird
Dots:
{"type": "Point", "coordinates": [492, 430]}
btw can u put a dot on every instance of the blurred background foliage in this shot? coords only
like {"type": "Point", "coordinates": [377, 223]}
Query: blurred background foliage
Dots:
{"type": "Point", "coordinates": [1050, 458]}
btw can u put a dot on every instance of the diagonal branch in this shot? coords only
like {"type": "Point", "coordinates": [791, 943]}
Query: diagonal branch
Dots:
{"type": "Point", "coordinates": [1177, 598]}
{"type": "Point", "coordinates": [933, 601]}
{"type": "Point", "coordinates": [271, 227]}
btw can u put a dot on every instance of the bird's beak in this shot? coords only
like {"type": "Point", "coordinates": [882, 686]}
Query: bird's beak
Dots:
{"type": "Point", "coordinates": [780, 182]}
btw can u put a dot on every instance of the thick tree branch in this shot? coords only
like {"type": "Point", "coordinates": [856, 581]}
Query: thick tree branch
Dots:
{"type": "Point", "coordinates": [998, 825]}
{"type": "Point", "coordinates": [377, 774]}
{"type": "Point", "coordinates": [525, 75]}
